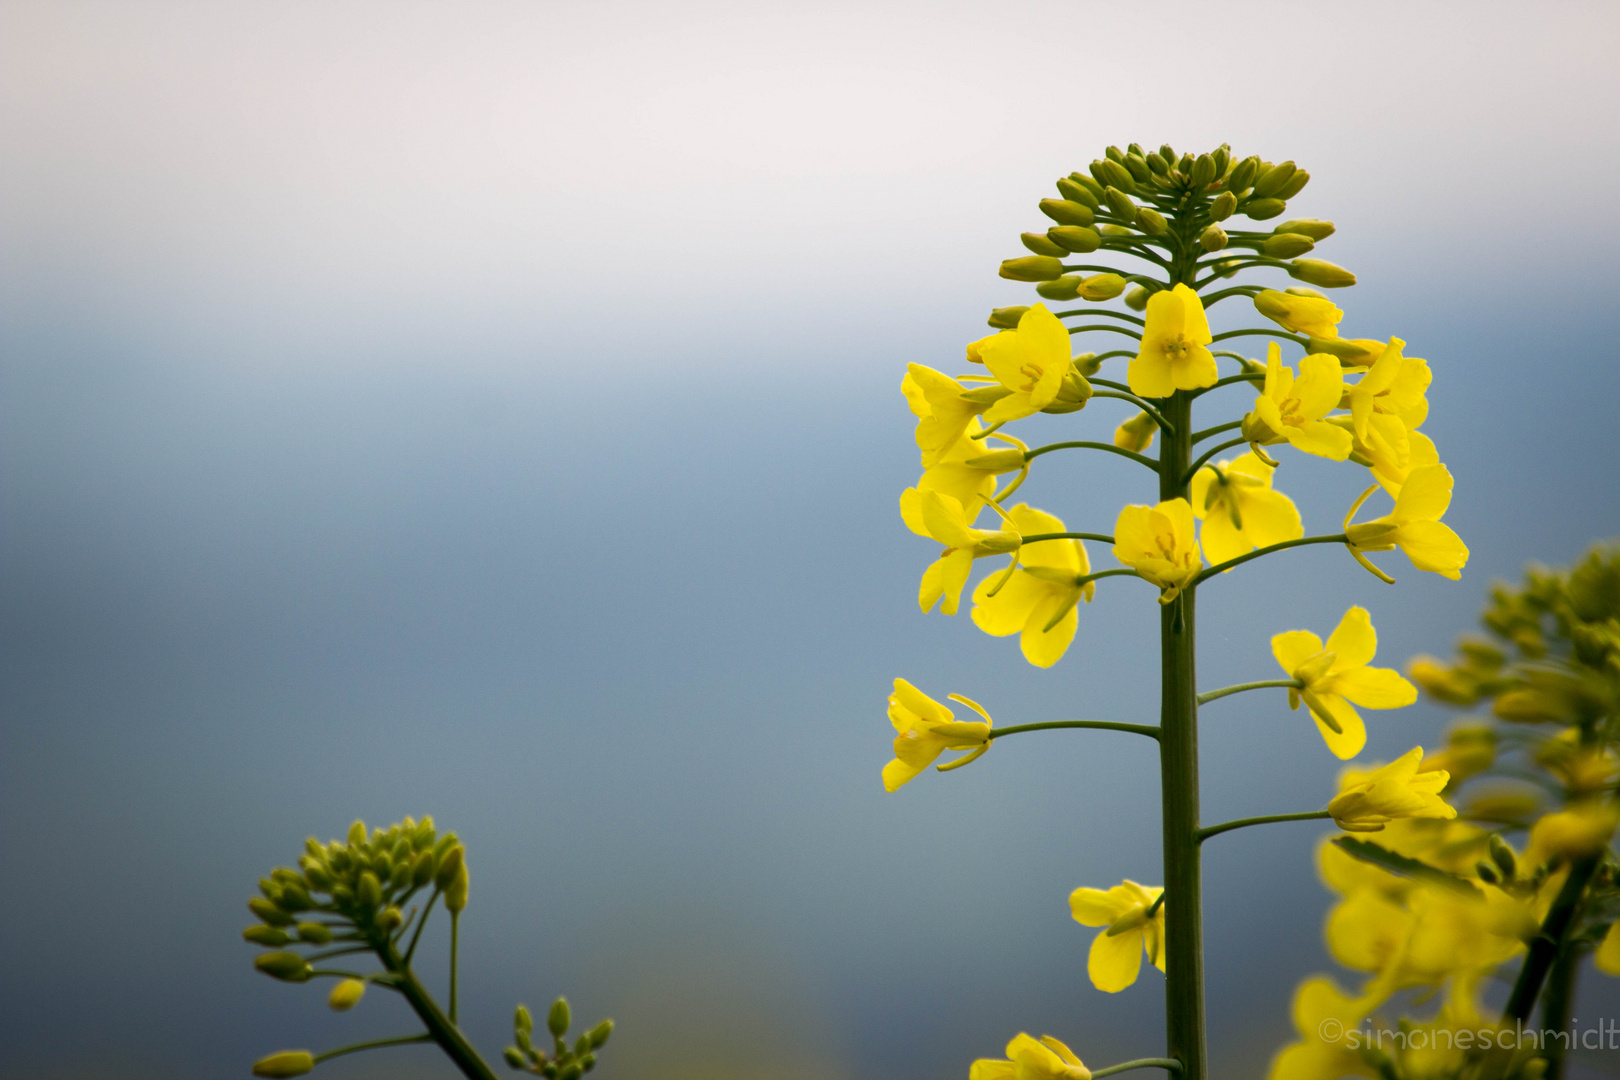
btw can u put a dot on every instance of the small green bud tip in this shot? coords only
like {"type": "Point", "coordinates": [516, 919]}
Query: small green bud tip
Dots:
{"type": "Point", "coordinates": [1243, 175]}
{"type": "Point", "coordinates": [314, 933]}
{"type": "Point", "coordinates": [1065, 212]}
{"type": "Point", "coordinates": [600, 1033]}
{"type": "Point", "coordinates": [1032, 268]}
{"type": "Point", "coordinates": [260, 934]}
{"type": "Point", "coordinates": [1102, 287]}
{"type": "Point", "coordinates": [1263, 209]}
{"type": "Point", "coordinates": [1041, 244]}
{"type": "Point", "coordinates": [1121, 204]}
{"type": "Point", "coordinates": [1137, 298]}
{"type": "Point", "coordinates": [1320, 272]}
{"type": "Point", "coordinates": [1090, 185]}
{"type": "Point", "coordinates": [346, 995]}
{"type": "Point", "coordinates": [521, 1020]}
{"type": "Point", "coordinates": [286, 966]}
{"type": "Point", "coordinates": [514, 1057]}
{"type": "Point", "coordinates": [1270, 182]}
{"type": "Point", "coordinates": [357, 833]}
{"type": "Point", "coordinates": [1077, 238]}
{"type": "Point", "coordinates": [269, 912]}
{"type": "Point", "coordinates": [1213, 238]}
{"type": "Point", "coordinates": [449, 866]}
{"type": "Point", "coordinates": [1295, 185]}
{"type": "Point", "coordinates": [572, 1071]}
{"type": "Point", "coordinates": [390, 920]}
{"type": "Point", "coordinates": [370, 892]}
{"type": "Point", "coordinates": [1287, 245]}
{"type": "Point", "coordinates": [1203, 171]}
{"type": "Point", "coordinates": [287, 1063]}
{"type": "Point", "coordinates": [455, 897]}
{"type": "Point", "coordinates": [558, 1019]}
{"type": "Point", "coordinates": [422, 869]}
{"type": "Point", "coordinates": [1006, 318]}
{"type": "Point", "coordinates": [1074, 191]}
{"type": "Point", "coordinates": [1311, 227]}
{"type": "Point", "coordinates": [1222, 206]}
{"type": "Point", "coordinates": [1066, 287]}
{"type": "Point", "coordinates": [1151, 222]}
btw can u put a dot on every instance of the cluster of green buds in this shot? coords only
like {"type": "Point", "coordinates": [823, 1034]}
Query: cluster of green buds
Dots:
{"type": "Point", "coordinates": [564, 1062]}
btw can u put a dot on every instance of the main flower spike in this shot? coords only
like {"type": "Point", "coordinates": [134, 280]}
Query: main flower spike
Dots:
{"type": "Point", "coordinates": [1239, 509]}
{"type": "Point", "coordinates": [1175, 346]}
{"type": "Point", "coordinates": [1413, 525]}
{"type": "Point", "coordinates": [926, 730]}
{"type": "Point", "coordinates": [1116, 953]}
{"type": "Point", "coordinates": [1039, 601]}
{"type": "Point", "coordinates": [1335, 675]}
{"type": "Point", "coordinates": [1291, 410]}
{"type": "Point", "coordinates": [1367, 801]}
{"type": "Point", "coordinates": [1032, 1059]}
{"type": "Point", "coordinates": [1158, 543]}
{"type": "Point", "coordinates": [1031, 361]}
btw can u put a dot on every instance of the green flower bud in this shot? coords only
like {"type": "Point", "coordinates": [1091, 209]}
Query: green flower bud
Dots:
{"type": "Point", "coordinates": [319, 878]}
{"type": "Point", "coordinates": [1320, 272]}
{"type": "Point", "coordinates": [558, 1019]}
{"type": "Point", "coordinates": [1074, 191]}
{"type": "Point", "coordinates": [514, 1057]}
{"type": "Point", "coordinates": [582, 1044]}
{"type": "Point", "coordinates": [285, 1064]}
{"type": "Point", "coordinates": [286, 876]}
{"type": "Point", "coordinates": [449, 866]}
{"type": "Point", "coordinates": [402, 876]}
{"type": "Point", "coordinates": [446, 842]}
{"type": "Point", "coordinates": [1114, 153]}
{"type": "Point", "coordinates": [383, 866]}
{"type": "Point", "coordinates": [1135, 148]}
{"type": "Point", "coordinates": [1006, 318]}
{"type": "Point", "coordinates": [1086, 363]}
{"type": "Point", "coordinates": [1040, 244]}
{"type": "Point", "coordinates": [422, 869]}
{"type": "Point", "coordinates": [521, 1037]}
{"type": "Point", "coordinates": [1203, 171]}
{"type": "Point", "coordinates": [1065, 212]}
{"type": "Point", "coordinates": [357, 833]}
{"type": "Point", "coordinates": [1222, 158]}
{"type": "Point", "coordinates": [1344, 348]}
{"type": "Point", "coordinates": [1091, 186]}
{"type": "Point", "coordinates": [260, 934]}
{"type": "Point", "coordinates": [521, 1020]}
{"type": "Point", "coordinates": [402, 851]}
{"type": "Point", "coordinates": [1066, 287]}
{"type": "Point", "coordinates": [1151, 221]}
{"type": "Point", "coordinates": [1112, 174]}
{"type": "Point", "coordinates": [1287, 245]}
{"type": "Point", "coordinates": [549, 1070]}
{"type": "Point", "coordinates": [346, 995]}
{"type": "Point", "coordinates": [1311, 227]}
{"type": "Point", "coordinates": [1213, 238]}
{"type": "Point", "coordinates": [1137, 298]}
{"type": "Point", "coordinates": [1221, 207]}
{"type": "Point", "coordinates": [424, 835]}
{"type": "Point", "coordinates": [342, 895]}
{"type": "Point", "coordinates": [1503, 856]}
{"type": "Point", "coordinates": [1268, 183]}
{"type": "Point", "coordinates": [269, 912]}
{"type": "Point", "coordinates": [1138, 168]}
{"type": "Point", "coordinates": [390, 920]}
{"type": "Point", "coordinates": [572, 1071]}
{"type": "Point", "coordinates": [1074, 238]}
{"type": "Point", "coordinates": [588, 1062]}
{"type": "Point", "coordinates": [294, 898]}
{"type": "Point", "coordinates": [1157, 163]}
{"type": "Point", "coordinates": [1101, 287]}
{"type": "Point", "coordinates": [370, 891]}
{"type": "Point", "coordinates": [1072, 395]}
{"type": "Point", "coordinates": [1262, 209]}
{"type": "Point", "coordinates": [286, 966]}
{"type": "Point", "coordinates": [1032, 268]}
{"type": "Point", "coordinates": [600, 1033]}
{"type": "Point", "coordinates": [1243, 175]}
{"type": "Point", "coordinates": [998, 461]}
{"type": "Point", "coordinates": [1120, 203]}
{"type": "Point", "coordinates": [1227, 267]}
{"type": "Point", "coordinates": [1487, 873]}
{"type": "Point", "coordinates": [1168, 154]}
{"type": "Point", "coordinates": [1295, 185]}
{"type": "Point", "coordinates": [1115, 230]}
{"type": "Point", "coordinates": [455, 897]}
{"type": "Point", "coordinates": [314, 933]}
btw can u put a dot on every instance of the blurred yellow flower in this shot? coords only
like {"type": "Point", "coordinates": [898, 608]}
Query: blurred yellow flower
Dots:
{"type": "Point", "coordinates": [1239, 509]}
{"type": "Point", "coordinates": [1324, 1016]}
{"type": "Point", "coordinates": [1116, 953]}
{"type": "Point", "coordinates": [926, 730]}
{"type": "Point", "coordinates": [1032, 1059]}
{"type": "Point", "coordinates": [1336, 674]}
{"type": "Point", "coordinates": [1174, 354]}
{"type": "Point", "coordinates": [1367, 801]}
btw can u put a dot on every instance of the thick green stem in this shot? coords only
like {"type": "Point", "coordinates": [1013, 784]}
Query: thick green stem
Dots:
{"type": "Point", "coordinates": [1178, 772]}
{"type": "Point", "coordinates": [1556, 1003]}
{"type": "Point", "coordinates": [440, 1027]}
{"type": "Point", "coordinates": [1552, 939]}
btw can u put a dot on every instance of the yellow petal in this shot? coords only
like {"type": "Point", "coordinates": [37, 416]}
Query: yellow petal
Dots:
{"type": "Point", "coordinates": [1425, 495]}
{"type": "Point", "coordinates": [1115, 961]}
{"type": "Point", "coordinates": [1293, 647]}
{"type": "Point", "coordinates": [1320, 386]}
{"type": "Point", "coordinates": [1008, 610]}
{"type": "Point", "coordinates": [1221, 540]}
{"type": "Point", "coordinates": [919, 703]}
{"type": "Point", "coordinates": [1269, 517]}
{"type": "Point", "coordinates": [1043, 647]}
{"type": "Point", "coordinates": [1319, 438]}
{"type": "Point", "coordinates": [1097, 907]}
{"type": "Point", "coordinates": [1351, 737]}
{"type": "Point", "coordinates": [896, 773]}
{"type": "Point", "coordinates": [1372, 688]}
{"type": "Point", "coordinates": [1432, 546]}
{"type": "Point", "coordinates": [1149, 374]}
{"type": "Point", "coordinates": [1353, 641]}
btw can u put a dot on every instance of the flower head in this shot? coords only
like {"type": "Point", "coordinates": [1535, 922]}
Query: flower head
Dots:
{"type": "Point", "coordinates": [1039, 600]}
{"type": "Point", "coordinates": [1032, 1059]}
{"type": "Point", "coordinates": [1304, 311]}
{"type": "Point", "coordinates": [1367, 801]}
{"type": "Point", "coordinates": [1291, 410]}
{"type": "Point", "coordinates": [1335, 675]}
{"type": "Point", "coordinates": [948, 523]}
{"type": "Point", "coordinates": [1116, 953]}
{"type": "Point", "coordinates": [1413, 525]}
{"type": "Point", "coordinates": [926, 730]}
{"type": "Point", "coordinates": [1175, 354]}
{"type": "Point", "coordinates": [1239, 510]}
{"type": "Point", "coordinates": [1158, 543]}
{"type": "Point", "coordinates": [942, 413]}
{"type": "Point", "coordinates": [1031, 361]}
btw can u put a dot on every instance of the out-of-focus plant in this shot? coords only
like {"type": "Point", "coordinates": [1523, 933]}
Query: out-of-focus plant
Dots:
{"type": "Point", "coordinates": [352, 898]}
{"type": "Point", "coordinates": [1525, 876]}
{"type": "Point", "coordinates": [1352, 400]}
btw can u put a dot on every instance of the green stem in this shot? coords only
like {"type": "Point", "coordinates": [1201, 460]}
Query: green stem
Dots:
{"type": "Point", "coordinates": [440, 1028]}
{"type": "Point", "coordinates": [1247, 376]}
{"type": "Point", "coordinates": [1546, 945]}
{"type": "Point", "coordinates": [1236, 290]}
{"type": "Point", "coordinates": [1556, 1004]}
{"type": "Point", "coordinates": [1295, 338]}
{"type": "Point", "coordinates": [1268, 819]}
{"type": "Point", "coordinates": [1101, 725]}
{"type": "Point", "coordinates": [1214, 695]}
{"type": "Point", "coordinates": [1158, 417]}
{"type": "Point", "coordinates": [1140, 1063]}
{"type": "Point", "coordinates": [1210, 453]}
{"type": "Point", "coordinates": [1140, 459]}
{"type": "Point", "coordinates": [455, 936]}
{"type": "Point", "coordinates": [426, 911]}
{"type": "Point", "coordinates": [1267, 550]}
{"type": "Point", "coordinates": [403, 1040]}
{"type": "Point", "coordinates": [1104, 312]}
{"type": "Point", "coordinates": [1101, 538]}
{"type": "Point", "coordinates": [1106, 327]}
{"type": "Point", "coordinates": [1231, 425]}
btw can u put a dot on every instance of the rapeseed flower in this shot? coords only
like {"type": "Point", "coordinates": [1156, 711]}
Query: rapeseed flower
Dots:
{"type": "Point", "coordinates": [1116, 953]}
{"type": "Point", "coordinates": [1175, 346]}
{"type": "Point", "coordinates": [1039, 600]}
{"type": "Point", "coordinates": [1367, 801]}
{"type": "Point", "coordinates": [1239, 510]}
{"type": "Point", "coordinates": [966, 472]}
{"type": "Point", "coordinates": [1158, 543]}
{"type": "Point", "coordinates": [1032, 1059]}
{"type": "Point", "coordinates": [1304, 312]}
{"type": "Point", "coordinates": [1413, 525]}
{"type": "Point", "coordinates": [1335, 675]}
{"type": "Point", "coordinates": [1321, 1010]}
{"type": "Point", "coordinates": [1291, 409]}
{"type": "Point", "coordinates": [942, 413]}
{"type": "Point", "coordinates": [948, 523]}
{"type": "Point", "coordinates": [1031, 361]}
{"type": "Point", "coordinates": [926, 730]}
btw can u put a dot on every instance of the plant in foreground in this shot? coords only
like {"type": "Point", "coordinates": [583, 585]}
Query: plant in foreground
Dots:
{"type": "Point", "coordinates": [351, 898]}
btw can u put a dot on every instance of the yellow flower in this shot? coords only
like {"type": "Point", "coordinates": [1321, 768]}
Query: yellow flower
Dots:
{"type": "Point", "coordinates": [946, 522]}
{"type": "Point", "coordinates": [926, 730]}
{"type": "Point", "coordinates": [942, 413]}
{"type": "Point", "coordinates": [1324, 1017]}
{"type": "Point", "coordinates": [1607, 957]}
{"type": "Point", "coordinates": [1032, 1059]}
{"type": "Point", "coordinates": [1158, 543]}
{"type": "Point", "coordinates": [1291, 410]}
{"type": "Point", "coordinates": [1304, 311]}
{"type": "Point", "coordinates": [1387, 467]}
{"type": "Point", "coordinates": [1239, 510]}
{"type": "Point", "coordinates": [1413, 525]}
{"type": "Point", "coordinates": [1367, 801]}
{"type": "Point", "coordinates": [1583, 829]}
{"type": "Point", "coordinates": [1394, 387]}
{"type": "Point", "coordinates": [1039, 601]}
{"type": "Point", "coordinates": [966, 472]}
{"type": "Point", "coordinates": [1335, 675]}
{"type": "Point", "coordinates": [1031, 361]}
{"type": "Point", "coordinates": [1116, 953]}
{"type": "Point", "coordinates": [1174, 354]}
{"type": "Point", "coordinates": [1136, 433]}
{"type": "Point", "coordinates": [1429, 935]}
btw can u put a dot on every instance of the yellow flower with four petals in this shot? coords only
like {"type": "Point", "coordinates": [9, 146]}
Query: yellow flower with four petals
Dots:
{"type": "Point", "coordinates": [1239, 509]}
{"type": "Point", "coordinates": [926, 730]}
{"type": "Point", "coordinates": [1116, 953]}
{"type": "Point", "coordinates": [1158, 543]}
{"type": "Point", "coordinates": [1039, 600]}
{"type": "Point", "coordinates": [1335, 678]}
{"type": "Point", "coordinates": [1175, 346]}
{"type": "Point", "coordinates": [1032, 1059]}
{"type": "Point", "coordinates": [1367, 801]}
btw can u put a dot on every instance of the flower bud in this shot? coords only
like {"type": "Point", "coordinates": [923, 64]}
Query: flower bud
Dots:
{"type": "Point", "coordinates": [1487, 873]}
{"type": "Point", "coordinates": [1151, 221]}
{"type": "Point", "coordinates": [401, 877]}
{"type": "Point", "coordinates": [1137, 298]}
{"type": "Point", "coordinates": [1203, 171]}
{"type": "Point", "coordinates": [600, 1033]}
{"type": "Point", "coordinates": [1120, 203]}
{"type": "Point", "coordinates": [1065, 212]}
{"type": "Point", "coordinates": [1116, 230]}
{"type": "Point", "coordinates": [1101, 287]}
{"type": "Point", "coordinates": [1320, 272]}
{"type": "Point", "coordinates": [1268, 183]}
{"type": "Point", "coordinates": [1350, 351]}
{"type": "Point", "coordinates": [1076, 238]}
{"type": "Point", "coordinates": [1243, 175]}
{"type": "Point", "coordinates": [1262, 209]}
{"type": "Point", "coordinates": [449, 865]}
{"type": "Point", "coordinates": [445, 843]}
{"type": "Point", "coordinates": [269, 912]}
{"type": "Point", "coordinates": [286, 966]}
{"type": "Point", "coordinates": [572, 1071]}
{"type": "Point", "coordinates": [1112, 174]}
{"type": "Point", "coordinates": [1091, 186]}
{"type": "Point", "coordinates": [1137, 166]}
{"type": "Point", "coordinates": [1136, 433]}
{"type": "Point", "coordinates": [1311, 227]}
{"type": "Point", "coordinates": [1286, 245]}
{"type": "Point", "coordinates": [1227, 267]}
{"type": "Point", "coordinates": [370, 891]}
{"type": "Point", "coordinates": [1041, 245]}
{"type": "Point", "coordinates": [1086, 363]}
{"type": "Point", "coordinates": [1158, 164]}
{"type": "Point", "coordinates": [1114, 153]}
{"type": "Point", "coordinates": [1222, 156]}
{"type": "Point", "coordinates": [286, 1064]}
{"type": "Point", "coordinates": [294, 898]}
{"type": "Point", "coordinates": [1072, 395]}
{"type": "Point", "coordinates": [346, 995]}
{"type": "Point", "coordinates": [522, 1020]}
{"type": "Point", "coordinates": [390, 919]}
{"type": "Point", "coordinates": [1168, 153]}
{"type": "Point", "coordinates": [514, 1057]}
{"type": "Point", "coordinates": [1074, 191]}
{"type": "Point", "coordinates": [1503, 857]}
{"type": "Point", "coordinates": [314, 933]}
{"type": "Point", "coordinates": [1295, 185]}
{"type": "Point", "coordinates": [1032, 268]}
{"type": "Point", "coordinates": [1213, 238]}
{"type": "Point", "coordinates": [1066, 287]}
{"type": "Point", "coordinates": [558, 1019]}
{"type": "Point", "coordinates": [1221, 207]}
{"type": "Point", "coordinates": [1006, 318]}
{"type": "Point", "coordinates": [357, 833]}
{"type": "Point", "coordinates": [455, 897]}
{"type": "Point", "coordinates": [260, 934]}
{"type": "Point", "coordinates": [422, 869]}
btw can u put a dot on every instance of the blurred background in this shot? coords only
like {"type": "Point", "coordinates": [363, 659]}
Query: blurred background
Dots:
{"type": "Point", "coordinates": [492, 410]}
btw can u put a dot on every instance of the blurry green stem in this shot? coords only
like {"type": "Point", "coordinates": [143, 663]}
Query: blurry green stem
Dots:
{"type": "Point", "coordinates": [1140, 1063]}
{"type": "Point", "coordinates": [1140, 459]}
{"type": "Point", "coordinates": [455, 935]}
{"type": "Point", "coordinates": [1545, 946]}
{"type": "Point", "coordinates": [426, 911]}
{"type": "Point", "coordinates": [1035, 538]}
{"type": "Point", "coordinates": [403, 1040]}
{"type": "Point", "coordinates": [441, 1029]}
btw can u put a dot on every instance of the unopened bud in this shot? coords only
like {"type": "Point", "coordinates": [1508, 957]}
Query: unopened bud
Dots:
{"type": "Point", "coordinates": [1112, 174]}
{"type": "Point", "coordinates": [1101, 287]}
{"type": "Point", "coordinates": [1159, 164]}
{"type": "Point", "coordinates": [260, 934]}
{"type": "Point", "coordinates": [294, 898]}
{"type": "Point", "coordinates": [444, 844]}
{"type": "Point", "coordinates": [514, 1057]}
{"type": "Point", "coordinates": [1066, 287]}
{"type": "Point", "coordinates": [1295, 185]}
{"type": "Point", "coordinates": [1073, 393]}
{"type": "Point", "coordinates": [1503, 857]}
{"type": "Point", "coordinates": [1032, 268]}
{"type": "Point", "coordinates": [449, 866]}
{"type": "Point", "coordinates": [1221, 207]}
{"type": "Point", "coordinates": [1076, 238]}
{"type": "Point", "coordinates": [285, 1064]}
{"type": "Point", "coordinates": [1137, 298]}
{"type": "Point", "coordinates": [402, 876]}
{"type": "Point", "coordinates": [1227, 267]}
{"type": "Point", "coordinates": [1136, 433]}
{"type": "Point", "coordinates": [346, 995]}
{"type": "Point", "coordinates": [1074, 191]}
{"type": "Point", "coordinates": [357, 833]}
{"type": "Point", "coordinates": [390, 920]}
{"type": "Point", "coordinates": [1137, 166]}
{"type": "Point", "coordinates": [572, 1071]}
{"type": "Point", "coordinates": [1270, 182]}
{"type": "Point", "coordinates": [600, 1033]}
{"type": "Point", "coordinates": [997, 461]}
{"type": "Point", "coordinates": [559, 1018]}
{"type": "Point", "coordinates": [1287, 245]}
{"type": "Point", "coordinates": [1243, 175]}
{"type": "Point", "coordinates": [1151, 221]}
{"type": "Point", "coordinates": [1349, 350]}
{"type": "Point", "coordinates": [455, 897]}
{"type": "Point", "coordinates": [588, 1062]}
{"type": "Point", "coordinates": [1114, 153]}
{"type": "Point", "coordinates": [1311, 227]}
{"type": "Point", "coordinates": [1086, 363]}
{"type": "Point", "coordinates": [269, 912]}
{"type": "Point", "coordinates": [1487, 873]}
{"type": "Point", "coordinates": [1120, 203]}
{"type": "Point", "coordinates": [422, 869]}
{"type": "Point", "coordinates": [1091, 186]}
{"type": "Point", "coordinates": [286, 966]}
{"type": "Point", "coordinates": [1263, 209]}
{"type": "Point", "coordinates": [1006, 318]}
{"type": "Point", "coordinates": [370, 891]}
{"type": "Point", "coordinates": [1213, 238]}
{"type": "Point", "coordinates": [1041, 245]}
{"type": "Point", "coordinates": [1203, 171]}
{"type": "Point", "coordinates": [1222, 157]}
{"type": "Point", "coordinates": [522, 1020]}
{"type": "Point", "coordinates": [314, 933]}
{"type": "Point", "coordinates": [1065, 212]}
{"type": "Point", "coordinates": [1320, 272]}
